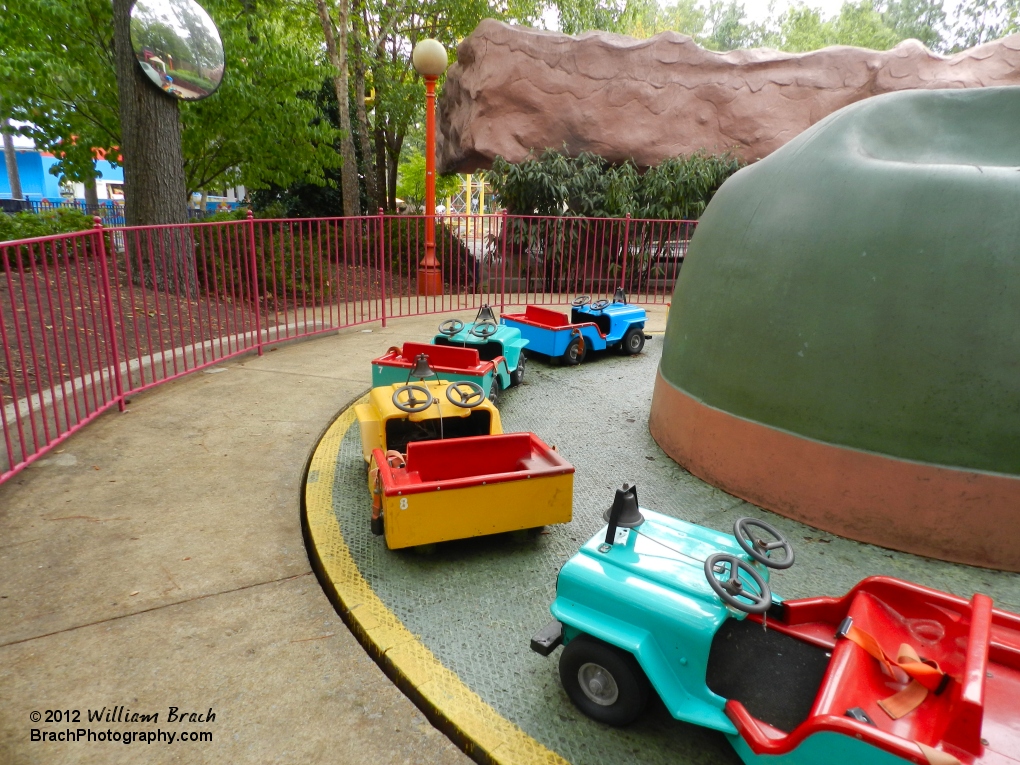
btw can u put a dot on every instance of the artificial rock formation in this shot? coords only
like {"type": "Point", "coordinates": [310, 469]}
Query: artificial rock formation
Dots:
{"type": "Point", "coordinates": [515, 90]}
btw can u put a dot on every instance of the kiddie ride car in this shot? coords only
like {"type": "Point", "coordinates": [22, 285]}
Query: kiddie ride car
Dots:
{"type": "Point", "coordinates": [451, 364]}
{"type": "Point", "coordinates": [591, 327]}
{"type": "Point", "coordinates": [469, 487]}
{"type": "Point", "coordinates": [499, 344]}
{"type": "Point", "coordinates": [660, 604]}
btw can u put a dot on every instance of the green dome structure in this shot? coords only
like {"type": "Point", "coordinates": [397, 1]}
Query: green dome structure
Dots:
{"type": "Point", "coordinates": [844, 340]}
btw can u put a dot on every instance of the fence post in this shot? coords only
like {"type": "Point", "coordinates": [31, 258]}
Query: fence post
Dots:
{"type": "Point", "coordinates": [502, 260]}
{"type": "Point", "coordinates": [382, 269]}
{"type": "Point", "coordinates": [626, 247]}
{"type": "Point", "coordinates": [111, 325]}
{"type": "Point", "coordinates": [255, 281]}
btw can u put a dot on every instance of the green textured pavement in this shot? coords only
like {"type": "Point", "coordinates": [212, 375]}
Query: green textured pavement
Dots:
{"type": "Point", "coordinates": [476, 603]}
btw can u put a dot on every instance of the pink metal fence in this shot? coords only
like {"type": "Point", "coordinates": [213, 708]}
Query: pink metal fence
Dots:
{"type": "Point", "coordinates": [88, 319]}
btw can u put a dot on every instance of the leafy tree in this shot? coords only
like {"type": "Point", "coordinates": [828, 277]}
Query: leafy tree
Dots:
{"type": "Point", "coordinates": [411, 182]}
{"type": "Point", "coordinates": [261, 127]}
{"type": "Point", "coordinates": [861, 25]}
{"type": "Point", "coordinates": [57, 73]}
{"type": "Point", "coordinates": [725, 27]}
{"type": "Point", "coordinates": [982, 21]}
{"type": "Point", "coordinates": [308, 198]}
{"type": "Point", "coordinates": [918, 19]}
{"type": "Point", "coordinates": [341, 80]}
{"type": "Point", "coordinates": [802, 29]}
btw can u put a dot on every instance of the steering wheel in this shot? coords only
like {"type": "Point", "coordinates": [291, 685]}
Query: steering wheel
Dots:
{"type": "Point", "coordinates": [752, 543]}
{"type": "Point", "coordinates": [465, 394]}
{"type": "Point", "coordinates": [484, 329]}
{"type": "Point", "coordinates": [580, 300]}
{"type": "Point", "coordinates": [732, 590]}
{"type": "Point", "coordinates": [598, 305]}
{"type": "Point", "coordinates": [413, 404]}
{"type": "Point", "coordinates": [450, 327]}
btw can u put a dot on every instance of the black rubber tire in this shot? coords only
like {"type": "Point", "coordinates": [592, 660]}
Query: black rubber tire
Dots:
{"type": "Point", "coordinates": [633, 341]}
{"type": "Point", "coordinates": [517, 376]}
{"type": "Point", "coordinates": [632, 685]}
{"type": "Point", "coordinates": [494, 390]}
{"type": "Point", "coordinates": [574, 354]}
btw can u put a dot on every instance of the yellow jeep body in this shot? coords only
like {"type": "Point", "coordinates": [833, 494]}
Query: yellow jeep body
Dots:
{"type": "Point", "coordinates": [384, 426]}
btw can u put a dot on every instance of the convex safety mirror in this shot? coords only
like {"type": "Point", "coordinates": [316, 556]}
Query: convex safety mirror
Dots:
{"type": "Point", "coordinates": [178, 47]}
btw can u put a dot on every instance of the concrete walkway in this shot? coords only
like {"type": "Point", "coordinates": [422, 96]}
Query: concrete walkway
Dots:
{"type": "Point", "coordinates": [156, 561]}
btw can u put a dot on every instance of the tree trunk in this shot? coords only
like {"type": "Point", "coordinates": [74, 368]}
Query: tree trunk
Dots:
{"type": "Point", "coordinates": [380, 163]}
{"type": "Point", "coordinates": [91, 196]}
{"type": "Point", "coordinates": [364, 131]}
{"type": "Point", "coordinates": [13, 177]}
{"type": "Point", "coordinates": [349, 169]}
{"type": "Point", "coordinates": [154, 185]}
{"type": "Point", "coordinates": [393, 146]}
{"type": "Point", "coordinates": [391, 178]}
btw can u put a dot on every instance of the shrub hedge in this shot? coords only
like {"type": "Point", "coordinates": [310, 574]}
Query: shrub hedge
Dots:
{"type": "Point", "coordinates": [28, 225]}
{"type": "Point", "coordinates": [588, 186]}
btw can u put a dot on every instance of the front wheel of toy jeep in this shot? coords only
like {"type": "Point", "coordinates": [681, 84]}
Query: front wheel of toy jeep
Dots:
{"type": "Point", "coordinates": [517, 376]}
{"type": "Point", "coordinates": [494, 390]}
{"type": "Point", "coordinates": [604, 682]}
{"type": "Point", "coordinates": [575, 352]}
{"type": "Point", "coordinates": [633, 341]}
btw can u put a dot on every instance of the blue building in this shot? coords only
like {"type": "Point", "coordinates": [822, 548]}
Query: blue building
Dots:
{"type": "Point", "coordinates": [38, 183]}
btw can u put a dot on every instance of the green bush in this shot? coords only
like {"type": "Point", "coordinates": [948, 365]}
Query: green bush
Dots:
{"type": "Point", "coordinates": [291, 265]}
{"type": "Point", "coordinates": [588, 186]}
{"type": "Point", "coordinates": [28, 225]}
{"type": "Point", "coordinates": [190, 78]}
{"type": "Point", "coordinates": [574, 190]}
{"type": "Point", "coordinates": [241, 213]}
{"type": "Point", "coordinates": [680, 188]}
{"type": "Point", "coordinates": [405, 249]}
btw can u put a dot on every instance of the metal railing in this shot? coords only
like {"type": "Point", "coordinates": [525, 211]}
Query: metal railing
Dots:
{"type": "Point", "coordinates": [110, 211]}
{"type": "Point", "coordinates": [89, 318]}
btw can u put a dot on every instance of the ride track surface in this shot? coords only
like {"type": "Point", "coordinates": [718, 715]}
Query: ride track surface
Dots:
{"type": "Point", "coordinates": [452, 627]}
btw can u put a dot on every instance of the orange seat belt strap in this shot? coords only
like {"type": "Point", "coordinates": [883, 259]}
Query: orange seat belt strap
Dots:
{"type": "Point", "coordinates": [925, 675]}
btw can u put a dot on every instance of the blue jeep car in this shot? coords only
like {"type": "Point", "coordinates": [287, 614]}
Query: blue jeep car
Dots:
{"type": "Point", "coordinates": [590, 327]}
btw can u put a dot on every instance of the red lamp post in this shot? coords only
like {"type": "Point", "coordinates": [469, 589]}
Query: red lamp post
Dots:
{"type": "Point", "coordinates": [429, 59]}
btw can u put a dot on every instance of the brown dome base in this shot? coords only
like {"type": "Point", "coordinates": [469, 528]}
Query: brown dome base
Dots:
{"type": "Point", "coordinates": [950, 514]}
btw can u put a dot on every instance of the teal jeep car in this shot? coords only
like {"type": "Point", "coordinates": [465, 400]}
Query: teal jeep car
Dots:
{"type": "Point", "coordinates": [891, 672]}
{"type": "Point", "coordinates": [501, 345]}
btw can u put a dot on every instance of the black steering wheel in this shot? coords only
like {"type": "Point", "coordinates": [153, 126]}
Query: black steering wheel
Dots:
{"type": "Point", "coordinates": [598, 305]}
{"type": "Point", "coordinates": [413, 404]}
{"type": "Point", "coordinates": [450, 327]}
{"type": "Point", "coordinates": [484, 329]}
{"type": "Point", "coordinates": [465, 394]}
{"type": "Point", "coordinates": [732, 589]}
{"type": "Point", "coordinates": [746, 530]}
{"type": "Point", "coordinates": [580, 300]}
